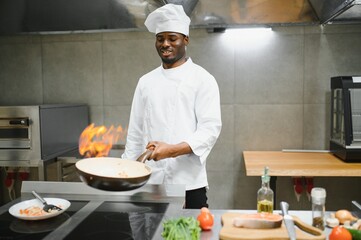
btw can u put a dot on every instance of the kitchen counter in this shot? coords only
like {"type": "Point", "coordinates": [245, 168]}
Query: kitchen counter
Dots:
{"type": "Point", "coordinates": [305, 216]}
{"type": "Point", "coordinates": [172, 194]}
{"type": "Point", "coordinates": [77, 192]}
{"type": "Point", "coordinates": [299, 164]}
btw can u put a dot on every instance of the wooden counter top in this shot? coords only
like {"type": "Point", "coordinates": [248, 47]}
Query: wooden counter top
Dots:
{"type": "Point", "coordinates": [298, 164]}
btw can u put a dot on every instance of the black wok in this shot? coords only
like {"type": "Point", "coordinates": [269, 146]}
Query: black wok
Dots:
{"type": "Point", "coordinates": [114, 174]}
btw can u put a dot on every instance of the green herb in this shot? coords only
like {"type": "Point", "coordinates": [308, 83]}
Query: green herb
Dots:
{"type": "Point", "coordinates": [185, 228]}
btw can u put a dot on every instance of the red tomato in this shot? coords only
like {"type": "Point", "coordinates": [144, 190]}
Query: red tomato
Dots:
{"type": "Point", "coordinates": [340, 233]}
{"type": "Point", "coordinates": [205, 219]}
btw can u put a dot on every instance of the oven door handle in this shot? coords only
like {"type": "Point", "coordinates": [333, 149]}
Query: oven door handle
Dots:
{"type": "Point", "coordinates": [22, 122]}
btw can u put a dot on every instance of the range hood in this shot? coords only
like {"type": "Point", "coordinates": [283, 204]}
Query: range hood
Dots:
{"type": "Point", "coordinates": [337, 11]}
{"type": "Point", "coordinates": [59, 16]}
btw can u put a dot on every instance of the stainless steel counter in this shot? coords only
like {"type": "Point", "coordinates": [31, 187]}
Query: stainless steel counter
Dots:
{"type": "Point", "coordinates": [172, 194]}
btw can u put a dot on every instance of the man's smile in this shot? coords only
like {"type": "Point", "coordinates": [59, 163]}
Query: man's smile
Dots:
{"type": "Point", "coordinates": [166, 52]}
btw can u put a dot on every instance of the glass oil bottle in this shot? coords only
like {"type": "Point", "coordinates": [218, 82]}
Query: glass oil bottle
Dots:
{"type": "Point", "coordinates": [265, 194]}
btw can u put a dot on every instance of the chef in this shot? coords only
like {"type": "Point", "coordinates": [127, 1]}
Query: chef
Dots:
{"type": "Point", "coordinates": [175, 110]}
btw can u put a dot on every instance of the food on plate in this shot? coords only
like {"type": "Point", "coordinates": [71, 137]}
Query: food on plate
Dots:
{"type": "Point", "coordinates": [206, 219]}
{"type": "Point", "coordinates": [258, 220]}
{"type": "Point", "coordinates": [185, 228]}
{"type": "Point", "coordinates": [340, 233]}
{"type": "Point", "coordinates": [34, 211]}
{"type": "Point", "coordinates": [344, 215]}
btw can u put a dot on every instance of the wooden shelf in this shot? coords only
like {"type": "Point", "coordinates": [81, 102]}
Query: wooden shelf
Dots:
{"type": "Point", "coordinates": [298, 164]}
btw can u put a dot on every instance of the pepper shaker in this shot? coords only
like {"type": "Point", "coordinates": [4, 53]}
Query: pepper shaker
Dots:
{"type": "Point", "coordinates": [318, 196]}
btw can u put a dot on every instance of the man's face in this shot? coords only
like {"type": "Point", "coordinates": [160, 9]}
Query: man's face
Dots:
{"type": "Point", "coordinates": [171, 48]}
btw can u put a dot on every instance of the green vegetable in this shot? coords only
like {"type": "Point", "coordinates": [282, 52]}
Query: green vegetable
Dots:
{"type": "Point", "coordinates": [185, 228]}
{"type": "Point", "coordinates": [356, 234]}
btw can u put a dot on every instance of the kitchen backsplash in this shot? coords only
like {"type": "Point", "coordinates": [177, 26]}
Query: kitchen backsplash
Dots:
{"type": "Point", "coordinates": [275, 91]}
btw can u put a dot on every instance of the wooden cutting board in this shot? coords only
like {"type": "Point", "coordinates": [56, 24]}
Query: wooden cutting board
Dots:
{"type": "Point", "coordinates": [303, 231]}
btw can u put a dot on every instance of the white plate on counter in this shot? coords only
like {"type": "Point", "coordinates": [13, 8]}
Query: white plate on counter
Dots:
{"type": "Point", "coordinates": [16, 208]}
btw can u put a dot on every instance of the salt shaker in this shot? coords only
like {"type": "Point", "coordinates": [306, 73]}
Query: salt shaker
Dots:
{"type": "Point", "coordinates": [318, 196]}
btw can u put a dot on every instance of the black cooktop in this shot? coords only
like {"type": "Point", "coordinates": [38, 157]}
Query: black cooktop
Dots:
{"type": "Point", "coordinates": [13, 228]}
{"type": "Point", "coordinates": [111, 220]}
{"type": "Point", "coordinates": [121, 220]}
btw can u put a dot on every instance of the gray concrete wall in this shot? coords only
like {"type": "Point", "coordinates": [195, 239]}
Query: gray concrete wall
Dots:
{"type": "Point", "coordinates": [275, 92]}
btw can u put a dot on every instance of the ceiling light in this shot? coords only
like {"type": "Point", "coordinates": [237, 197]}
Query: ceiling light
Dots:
{"type": "Point", "coordinates": [254, 30]}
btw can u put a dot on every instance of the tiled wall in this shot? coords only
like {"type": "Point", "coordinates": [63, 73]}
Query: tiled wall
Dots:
{"type": "Point", "coordinates": [275, 91]}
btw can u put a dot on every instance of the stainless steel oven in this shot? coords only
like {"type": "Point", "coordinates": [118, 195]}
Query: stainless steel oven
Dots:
{"type": "Point", "coordinates": [15, 133]}
{"type": "Point", "coordinates": [31, 136]}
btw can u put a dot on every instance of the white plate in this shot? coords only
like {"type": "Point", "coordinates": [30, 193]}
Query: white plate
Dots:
{"type": "Point", "coordinates": [15, 209]}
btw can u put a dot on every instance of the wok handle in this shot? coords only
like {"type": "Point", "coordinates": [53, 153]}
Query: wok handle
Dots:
{"type": "Point", "coordinates": [145, 156]}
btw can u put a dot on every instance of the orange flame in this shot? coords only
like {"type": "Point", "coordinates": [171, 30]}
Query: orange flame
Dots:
{"type": "Point", "coordinates": [97, 141]}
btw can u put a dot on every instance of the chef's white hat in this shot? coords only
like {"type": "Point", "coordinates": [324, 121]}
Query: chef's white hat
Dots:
{"type": "Point", "coordinates": [168, 18]}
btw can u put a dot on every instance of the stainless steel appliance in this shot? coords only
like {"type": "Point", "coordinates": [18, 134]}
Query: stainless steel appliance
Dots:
{"type": "Point", "coordinates": [345, 140]}
{"type": "Point", "coordinates": [57, 16]}
{"type": "Point", "coordinates": [32, 136]}
{"type": "Point", "coordinates": [337, 11]}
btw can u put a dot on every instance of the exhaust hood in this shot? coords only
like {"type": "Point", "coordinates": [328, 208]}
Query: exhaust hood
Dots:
{"type": "Point", "coordinates": [337, 11]}
{"type": "Point", "coordinates": [59, 16]}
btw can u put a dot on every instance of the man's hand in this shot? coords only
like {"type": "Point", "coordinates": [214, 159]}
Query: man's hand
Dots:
{"type": "Point", "coordinates": [163, 150]}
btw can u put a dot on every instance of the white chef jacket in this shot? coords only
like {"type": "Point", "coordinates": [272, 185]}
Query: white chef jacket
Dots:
{"type": "Point", "coordinates": [180, 104]}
